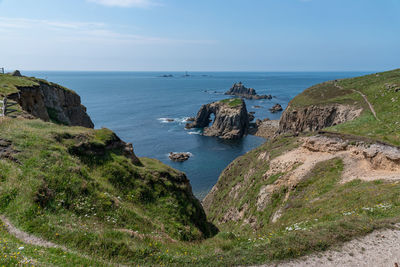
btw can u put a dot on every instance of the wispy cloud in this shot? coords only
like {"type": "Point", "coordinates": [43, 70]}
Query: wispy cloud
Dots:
{"type": "Point", "coordinates": [71, 31]}
{"type": "Point", "coordinates": [125, 3]}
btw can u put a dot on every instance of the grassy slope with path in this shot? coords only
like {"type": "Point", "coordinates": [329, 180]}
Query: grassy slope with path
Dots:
{"type": "Point", "coordinates": [379, 89]}
{"type": "Point", "coordinates": [320, 212]}
{"type": "Point", "coordinates": [95, 207]}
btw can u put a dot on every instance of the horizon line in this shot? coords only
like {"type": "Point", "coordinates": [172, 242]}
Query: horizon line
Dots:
{"type": "Point", "coordinates": [194, 71]}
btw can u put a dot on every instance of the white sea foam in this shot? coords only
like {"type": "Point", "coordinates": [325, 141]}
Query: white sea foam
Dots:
{"type": "Point", "coordinates": [190, 154]}
{"type": "Point", "coordinates": [177, 120]}
{"type": "Point", "coordinates": [165, 120]}
{"type": "Point", "coordinates": [195, 132]}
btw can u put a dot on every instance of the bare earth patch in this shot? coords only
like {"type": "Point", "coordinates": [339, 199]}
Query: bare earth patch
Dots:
{"type": "Point", "coordinates": [361, 161]}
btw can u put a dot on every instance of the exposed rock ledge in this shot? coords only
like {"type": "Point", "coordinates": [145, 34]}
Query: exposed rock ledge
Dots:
{"type": "Point", "coordinates": [49, 101]}
{"type": "Point", "coordinates": [314, 118]}
{"type": "Point", "coordinates": [238, 89]}
{"type": "Point", "coordinates": [361, 160]}
{"type": "Point", "coordinates": [266, 128]}
{"type": "Point", "coordinates": [231, 119]}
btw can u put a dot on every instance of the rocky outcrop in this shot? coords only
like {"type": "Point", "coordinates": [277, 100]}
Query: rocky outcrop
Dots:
{"type": "Point", "coordinates": [86, 147]}
{"type": "Point", "coordinates": [238, 89]}
{"type": "Point", "coordinates": [231, 119]}
{"type": "Point", "coordinates": [276, 108]}
{"type": "Point", "coordinates": [314, 118]}
{"type": "Point", "coordinates": [179, 157]}
{"type": "Point", "coordinates": [16, 73]}
{"type": "Point", "coordinates": [266, 128]}
{"type": "Point", "coordinates": [49, 101]}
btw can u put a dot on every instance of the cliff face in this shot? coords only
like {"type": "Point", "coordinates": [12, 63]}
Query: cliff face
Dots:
{"type": "Point", "coordinates": [238, 89]}
{"type": "Point", "coordinates": [49, 101]}
{"type": "Point", "coordinates": [231, 119]}
{"type": "Point", "coordinates": [314, 118]}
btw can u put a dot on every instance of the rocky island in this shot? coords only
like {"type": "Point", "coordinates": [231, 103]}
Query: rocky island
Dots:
{"type": "Point", "coordinates": [231, 119]}
{"type": "Point", "coordinates": [179, 156]}
{"type": "Point", "coordinates": [238, 89]}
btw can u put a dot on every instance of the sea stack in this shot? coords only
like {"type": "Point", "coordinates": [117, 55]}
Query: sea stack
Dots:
{"type": "Point", "coordinates": [231, 119]}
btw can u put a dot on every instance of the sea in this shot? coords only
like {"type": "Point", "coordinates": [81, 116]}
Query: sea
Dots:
{"type": "Point", "coordinates": [138, 106]}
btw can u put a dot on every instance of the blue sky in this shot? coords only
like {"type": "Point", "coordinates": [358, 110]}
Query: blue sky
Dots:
{"type": "Point", "coordinates": [194, 35]}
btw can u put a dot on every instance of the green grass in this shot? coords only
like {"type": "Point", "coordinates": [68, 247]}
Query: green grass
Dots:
{"type": "Point", "coordinates": [233, 102]}
{"type": "Point", "coordinates": [13, 252]}
{"type": "Point", "coordinates": [385, 100]}
{"type": "Point", "coordinates": [9, 83]}
{"type": "Point", "coordinates": [320, 213]}
{"type": "Point", "coordinates": [94, 206]}
{"type": "Point", "coordinates": [74, 188]}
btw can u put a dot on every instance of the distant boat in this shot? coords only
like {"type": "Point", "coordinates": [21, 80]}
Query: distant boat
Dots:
{"type": "Point", "coordinates": [186, 74]}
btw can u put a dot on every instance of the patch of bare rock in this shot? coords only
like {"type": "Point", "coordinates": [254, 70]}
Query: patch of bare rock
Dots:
{"type": "Point", "coordinates": [264, 128]}
{"type": "Point", "coordinates": [314, 118]}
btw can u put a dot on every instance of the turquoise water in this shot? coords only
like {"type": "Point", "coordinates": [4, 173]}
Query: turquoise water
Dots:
{"type": "Point", "coordinates": [136, 104]}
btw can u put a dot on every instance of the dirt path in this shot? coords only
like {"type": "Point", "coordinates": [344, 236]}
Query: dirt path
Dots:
{"type": "Point", "coordinates": [37, 241]}
{"type": "Point", "coordinates": [371, 107]}
{"type": "Point", "coordinates": [379, 249]}
{"type": "Point", "coordinates": [369, 104]}
{"type": "Point", "coordinates": [25, 237]}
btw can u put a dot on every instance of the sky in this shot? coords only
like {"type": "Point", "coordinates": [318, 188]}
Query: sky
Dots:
{"type": "Point", "coordinates": [200, 35]}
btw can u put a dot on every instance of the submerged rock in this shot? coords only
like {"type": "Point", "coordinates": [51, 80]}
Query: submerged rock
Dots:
{"type": "Point", "coordinates": [238, 89]}
{"type": "Point", "coordinates": [179, 156]}
{"type": "Point", "coordinates": [231, 119]}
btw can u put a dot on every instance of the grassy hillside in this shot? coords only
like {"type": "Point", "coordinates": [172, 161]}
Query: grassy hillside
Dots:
{"type": "Point", "coordinates": [73, 186]}
{"type": "Point", "coordinates": [382, 90]}
{"type": "Point", "coordinates": [319, 211]}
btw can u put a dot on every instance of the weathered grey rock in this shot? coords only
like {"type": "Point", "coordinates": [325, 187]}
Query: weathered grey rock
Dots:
{"type": "Point", "coordinates": [251, 116]}
{"type": "Point", "coordinates": [231, 121]}
{"type": "Point", "coordinates": [238, 89]}
{"type": "Point", "coordinates": [276, 108]}
{"type": "Point", "coordinates": [49, 101]}
{"type": "Point", "coordinates": [314, 118]}
{"type": "Point", "coordinates": [180, 156]}
{"type": "Point", "coordinates": [16, 73]}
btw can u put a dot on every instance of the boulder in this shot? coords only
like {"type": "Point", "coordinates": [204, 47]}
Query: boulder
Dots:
{"type": "Point", "coordinates": [16, 73]}
{"type": "Point", "coordinates": [179, 156]}
{"type": "Point", "coordinates": [276, 108]}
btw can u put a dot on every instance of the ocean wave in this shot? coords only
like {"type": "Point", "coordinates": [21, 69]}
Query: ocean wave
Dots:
{"type": "Point", "coordinates": [166, 120]}
{"type": "Point", "coordinates": [172, 120]}
{"type": "Point", "coordinates": [195, 132]}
